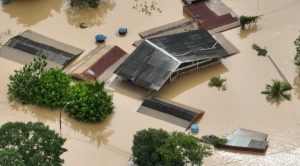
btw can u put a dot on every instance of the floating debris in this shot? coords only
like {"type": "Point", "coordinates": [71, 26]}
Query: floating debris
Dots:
{"type": "Point", "coordinates": [146, 8]}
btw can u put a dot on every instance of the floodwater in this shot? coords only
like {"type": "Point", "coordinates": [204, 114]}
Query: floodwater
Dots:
{"type": "Point", "coordinates": [241, 105]}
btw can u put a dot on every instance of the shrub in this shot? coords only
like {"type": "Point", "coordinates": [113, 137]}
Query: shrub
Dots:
{"type": "Point", "coordinates": [216, 81]}
{"type": "Point", "coordinates": [297, 57]}
{"type": "Point", "coordinates": [247, 20]}
{"type": "Point", "coordinates": [259, 50]}
{"type": "Point", "coordinates": [89, 102]}
{"type": "Point", "coordinates": [214, 140]}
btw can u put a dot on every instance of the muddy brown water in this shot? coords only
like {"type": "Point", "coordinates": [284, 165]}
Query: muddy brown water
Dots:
{"type": "Point", "coordinates": [241, 105]}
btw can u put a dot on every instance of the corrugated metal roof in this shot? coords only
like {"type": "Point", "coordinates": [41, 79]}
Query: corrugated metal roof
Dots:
{"type": "Point", "coordinates": [31, 43]}
{"type": "Point", "coordinates": [147, 66]}
{"type": "Point", "coordinates": [212, 15]}
{"type": "Point", "coordinates": [170, 111]}
{"type": "Point", "coordinates": [245, 139]}
{"type": "Point", "coordinates": [191, 46]}
{"type": "Point", "coordinates": [154, 60]}
{"type": "Point", "coordinates": [98, 63]}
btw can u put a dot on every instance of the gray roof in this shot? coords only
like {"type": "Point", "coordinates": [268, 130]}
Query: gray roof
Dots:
{"type": "Point", "coordinates": [170, 111]}
{"type": "Point", "coordinates": [191, 46]}
{"type": "Point", "coordinates": [154, 60]}
{"type": "Point", "coordinates": [31, 43]}
{"type": "Point", "coordinates": [147, 66]}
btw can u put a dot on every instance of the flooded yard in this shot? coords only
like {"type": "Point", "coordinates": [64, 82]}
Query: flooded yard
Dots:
{"type": "Point", "coordinates": [241, 105]}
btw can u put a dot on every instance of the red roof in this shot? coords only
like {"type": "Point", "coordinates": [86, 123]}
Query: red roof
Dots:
{"type": "Point", "coordinates": [206, 17]}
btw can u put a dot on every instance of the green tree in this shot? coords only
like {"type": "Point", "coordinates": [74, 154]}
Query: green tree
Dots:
{"type": "Point", "coordinates": [277, 90]}
{"type": "Point", "coordinates": [34, 84]}
{"type": "Point", "coordinates": [157, 147]}
{"type": "Point", "coordinates": [217, 82]}
{"type": "Point", "coordinates": [247, 20]}
{"type": "Point", "coordinates": [297, 57]}
{"type": "Point", "coordinates": [89, 102]}
{"type": "Point", "coordinates": [52, 88]}
{"type": "Point", "coordinates": [23, 82]}
{"type": "Point", "coordinates": [30, 144]}
{"type": "Point", "coordinates": [145, 147]}
{"type": "Point", "coordinates": [181, 149]}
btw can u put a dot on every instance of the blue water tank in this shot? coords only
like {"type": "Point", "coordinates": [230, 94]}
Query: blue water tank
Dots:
{"type": "Point", "coordinates": [122, 31]}
{"type": "Point", "coordinates": [5, 1]}
{"type": "Point", "coordinates": [194, 128]}
{"type": "Point", "coordinates": [100, 38]}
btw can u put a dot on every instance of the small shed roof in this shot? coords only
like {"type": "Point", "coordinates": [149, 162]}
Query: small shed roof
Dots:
{"type": "Point", "coordinates": [245, 139]}
{"type": "Point", "coordinates": [170, 111]}
{"type": "Point", "coordinates": [97, 62]}
{"type": "Point", "coordinates": [20, 47]}
{"type": "Point", "coordinates": [215, 16]}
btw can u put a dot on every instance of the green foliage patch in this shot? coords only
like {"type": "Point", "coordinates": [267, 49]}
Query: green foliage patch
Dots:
{"type": "Point", "coordinates": [260, 51]}
{"type": "Point", "coordinates": [214, 140]}
{"type": "Point", "coordinates": [277, 90]}
{"type": "Point", "coordinates": [91, 3]}
{"type": "Point", "coordinates": [30, 144]}
{"type": "Point", "coordinates": [89, 102]}
{"type": "Point", "coordinates": [247, 20]}
{"type": "Point", "coordinates": [297, 57]}
{"type": "Point", "coordinates": [156, 147]}
{"type": "Point", "coordinates": [217, 82]}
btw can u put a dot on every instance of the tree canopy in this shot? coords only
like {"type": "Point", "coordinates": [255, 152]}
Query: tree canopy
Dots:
{"type": "Point", "coordinates": [33, 84]}
{"type": "Point", "coordinates": [89, 102]}
{"type": "Point", "coordinates": [297, 56]}
{"type": "Point", "coordinates": [159, 148]}
{"type": "Point", "coordinates": [277, 90]}
{"type": "Point", "coordinates": [30, 144]}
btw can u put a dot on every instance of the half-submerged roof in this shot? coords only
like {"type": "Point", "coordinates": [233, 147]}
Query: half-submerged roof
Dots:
{"type": "Point", "coordinates": [244, 139]}
{"type": "Point", "coordinates": [97, 62]}
{"type": "Point", "coordinates": [170, 111]}
{"type": "Point", "coordinates": [152, 63]}
{"type": "Point", "coordinates": [27, 45]}
{"type": "Point", "coordinates": [213, 15]}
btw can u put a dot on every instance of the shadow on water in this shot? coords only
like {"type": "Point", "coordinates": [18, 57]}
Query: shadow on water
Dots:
{"type": "Point", "coordinates": [30, 12]}
{"type": "Point", "coordinates": [172, 89]}
{"type": "Point", "coordinates": [97, 134]}
{"type": "Point", "coordinates": [90, 16]}
{"type": "Point", "coordinates": [244, 33]}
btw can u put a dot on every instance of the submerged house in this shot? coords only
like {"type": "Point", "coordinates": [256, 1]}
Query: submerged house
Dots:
{"type": "Point", "coordinates": [28, 45]}
{"type": "Point", "coordinates": [158, 60]}
{"type": "Point", "coordinates": [99, 63]}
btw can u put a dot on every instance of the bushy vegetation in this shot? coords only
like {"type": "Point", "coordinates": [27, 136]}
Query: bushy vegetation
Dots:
{"type": "Point", "coordinates": [247, 20]}
{"type": "Point", "coordinates": [214, 140]}
{"type": "Point", "coordinates": [217, 82]}
{"type": "Point", "coordinates": [156, 147]}
{"type": "Point", "coordinates": [33, 84]}
{"type": "Point", "coordinates": [89, 102]}
{"type": "Point", "coordinates": [277, 90]}
{"type": "Point", "coordinates": [260, 51]}
{"type": "Point", "coordinates": [297, 56]}
{"type": "Point", "coordinates": [30, 144]}
{"type": "Point", "coordinates": [91, 3]}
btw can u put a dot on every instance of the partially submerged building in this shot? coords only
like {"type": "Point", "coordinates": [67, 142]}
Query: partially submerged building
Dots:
{"type": "Point", "coordinates": [244, 139]}
{"type": "Point", "coordinates": [214, 15]}
{"type": "Point", "coordinates": [98, 63]}
{"type": "Point", "coordinates": [170, 111]}
{"type": "Point", "coordinates": [24, 47]}
{"type": "Point", "coordinates": [158, 60]}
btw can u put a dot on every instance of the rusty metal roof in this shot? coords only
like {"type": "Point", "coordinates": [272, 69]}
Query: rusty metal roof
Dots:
{"type": "Point", "coordinates": [97, 62]}
{"type": "Point", "coordinates": [24, 47]}
{"type": "Point", "coordinates": [216, 17]}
